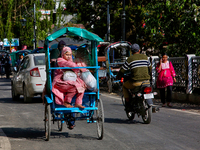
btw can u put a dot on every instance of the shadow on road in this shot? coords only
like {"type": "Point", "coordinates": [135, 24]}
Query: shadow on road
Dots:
{"type": "Point", "coordinates": [38, 134]}
{"type": "Point", "coordinates": [28, 133]}
{"type": "Point", "coordinates": [121, 121]}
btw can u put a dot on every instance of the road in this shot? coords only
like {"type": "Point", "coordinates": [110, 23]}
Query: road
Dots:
{"type": "Point", "coordinates": [22, 128]}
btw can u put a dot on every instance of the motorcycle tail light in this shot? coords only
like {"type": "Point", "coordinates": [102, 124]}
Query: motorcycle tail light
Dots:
{"type": "Point", "coordinates": [35, 72]}
{"type": "Point", "coordinates": [147, 89]}
{"type": "Point", "coordinates": [122, 80]}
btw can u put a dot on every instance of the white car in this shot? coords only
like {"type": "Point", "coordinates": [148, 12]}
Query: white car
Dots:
{"type": "Point", "coordinates": [29, 79]}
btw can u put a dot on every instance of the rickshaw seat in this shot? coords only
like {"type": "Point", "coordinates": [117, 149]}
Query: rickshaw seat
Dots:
{"type": "Point", "coordinates": [101, 58]}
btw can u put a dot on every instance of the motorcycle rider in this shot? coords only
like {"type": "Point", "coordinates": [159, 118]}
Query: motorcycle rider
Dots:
{"type": "Point", "coordinates": [140, 69]}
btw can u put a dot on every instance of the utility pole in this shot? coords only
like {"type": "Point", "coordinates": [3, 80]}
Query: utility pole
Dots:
{"type": "Point", "coordinates": [123, 56]}
{"type": "Point", "coordinates": [123, 22]}
{"type": "Point", "coordinates": [35, 42]}
{"type": "Point", "coordinates": [108, 22]}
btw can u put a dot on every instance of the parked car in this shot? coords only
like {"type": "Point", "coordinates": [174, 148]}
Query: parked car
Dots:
{"type": "Point", "coordinates": [30, 77]}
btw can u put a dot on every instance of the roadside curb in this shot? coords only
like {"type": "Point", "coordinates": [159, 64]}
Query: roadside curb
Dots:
{"type": "Point", "coordinates": [4, 141]}
{"type": "Point", "coordinates": [176, 106]}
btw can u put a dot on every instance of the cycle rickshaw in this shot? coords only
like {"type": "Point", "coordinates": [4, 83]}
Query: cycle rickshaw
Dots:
{"type": "Point", "coordinates": [116, 54]}
{"type": "Point", "coordinates": [93, 111]}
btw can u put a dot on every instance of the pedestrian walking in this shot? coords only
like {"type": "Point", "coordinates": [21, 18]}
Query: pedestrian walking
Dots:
{"type": "Point", "coordinates": [166, 77]}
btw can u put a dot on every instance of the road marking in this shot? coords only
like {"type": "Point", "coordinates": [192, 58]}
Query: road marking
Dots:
{"type": "Point", "coordinates": [6, 126]}
{"type": "Point", "coordinates": [116, 96]}
{"type": "Point", "coordinates": [174, 109]}
{"type": "Point", "coordinates": [118, 141]}
{"type": "Point", "coordinates": [4, 141]}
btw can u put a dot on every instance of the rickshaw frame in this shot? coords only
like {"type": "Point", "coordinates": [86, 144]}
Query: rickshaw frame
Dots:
{"type": "Point", "coordinates": [59, 112]}
{"type": "Point", "coordinates": [111, 77]}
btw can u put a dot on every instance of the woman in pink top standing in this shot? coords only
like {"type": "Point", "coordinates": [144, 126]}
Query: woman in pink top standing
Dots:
{"type": "Point", "coordinates": [166, 77]}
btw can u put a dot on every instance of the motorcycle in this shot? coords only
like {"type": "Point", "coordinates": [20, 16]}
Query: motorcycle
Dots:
{"type": "Point", "coordinates": [140, 101]}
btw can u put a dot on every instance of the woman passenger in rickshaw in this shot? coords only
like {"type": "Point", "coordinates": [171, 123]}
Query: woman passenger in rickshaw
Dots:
{"type": "Point", "coordinates": [67, 89]}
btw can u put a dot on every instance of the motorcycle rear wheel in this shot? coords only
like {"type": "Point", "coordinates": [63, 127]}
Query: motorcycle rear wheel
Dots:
{"type": "Point", "coordinates": [147, 116]}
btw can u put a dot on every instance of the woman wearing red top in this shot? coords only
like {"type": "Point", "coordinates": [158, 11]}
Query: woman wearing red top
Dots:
{"type": "Point", "coordinates": [166, 77]}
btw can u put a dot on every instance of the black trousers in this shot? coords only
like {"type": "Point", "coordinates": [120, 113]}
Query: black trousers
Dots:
{"type": "Point", "coordinates": [169, 94]}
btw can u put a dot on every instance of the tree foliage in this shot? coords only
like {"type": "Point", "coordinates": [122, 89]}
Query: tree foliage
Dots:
{"type": "Point", "coordinates": [175, 22]}
{"type": "Point", "coordinates": [12, 11]}
{"type": "Point", "coordinates": [93, 15]}
{"type": "Point", "coordinates": [148, 23]}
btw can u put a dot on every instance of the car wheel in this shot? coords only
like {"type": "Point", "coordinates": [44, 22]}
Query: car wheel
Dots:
{"type": "Point", "coordinates": [14, 95]}
{"type": "Point", "coordinates": [27, 98]}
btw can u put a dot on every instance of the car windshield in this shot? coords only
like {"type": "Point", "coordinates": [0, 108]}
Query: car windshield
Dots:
{"type": "Point", "coordinates": [39, 60]}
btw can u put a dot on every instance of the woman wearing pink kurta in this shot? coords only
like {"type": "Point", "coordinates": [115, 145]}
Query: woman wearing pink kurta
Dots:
{"type": "Point", "coordinates": [64, 91]}
{"type": "Point", "coordinates": [166, 77]}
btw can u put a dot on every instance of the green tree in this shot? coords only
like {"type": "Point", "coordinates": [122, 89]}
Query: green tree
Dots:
{"type": "Point", "coordinates": [175, 22]}
{"type": "Point", "coordinates": [93, 15]}
{"type": "Point", "coordinates": [12, 11]}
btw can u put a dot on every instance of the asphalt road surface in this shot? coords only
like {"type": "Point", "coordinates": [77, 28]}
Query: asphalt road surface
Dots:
{"type": "Point", "coordinates": [22, 128]}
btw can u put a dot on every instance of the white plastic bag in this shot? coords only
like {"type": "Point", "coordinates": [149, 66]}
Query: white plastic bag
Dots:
{"type": "Point", "coordinates": [89, 80]}
{"type": "Point", "coordinates": [69, 76]}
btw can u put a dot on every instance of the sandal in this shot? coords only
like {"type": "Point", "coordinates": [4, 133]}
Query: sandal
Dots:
{"type": "Point", "coordinates": [67, 105]}
{"type": "Point", "coordinates": [79, 106]}
{"type": "Point", "coordinates": [163, 105]}
{"type": "Point", "coordinates": [71, 127]}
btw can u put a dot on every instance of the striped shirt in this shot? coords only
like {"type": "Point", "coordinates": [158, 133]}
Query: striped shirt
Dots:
{"type": "Point", "coordinates": [139, 66]}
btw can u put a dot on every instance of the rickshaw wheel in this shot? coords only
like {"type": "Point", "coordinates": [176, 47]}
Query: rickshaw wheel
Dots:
{"type": "Point", "coordinates": [60, 124]}
{"type": "Point", "coordinates": [146, 116]}
{"type": "Point", "coordinates": [109, 83]}
{"type": "Point", "coordinates": [47, 122]}
{"type": "Point", "coordinates": [99, 118]}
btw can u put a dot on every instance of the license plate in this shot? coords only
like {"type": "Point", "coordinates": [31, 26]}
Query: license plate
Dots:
{"type": "Point", "coordinates": [148, 96]}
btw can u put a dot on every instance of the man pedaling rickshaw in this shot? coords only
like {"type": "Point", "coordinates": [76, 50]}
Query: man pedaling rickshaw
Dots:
{"type": "Point", "coordinates": [140, 69]}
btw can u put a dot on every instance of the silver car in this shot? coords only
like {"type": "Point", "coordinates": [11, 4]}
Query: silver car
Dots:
{"type": "Point", "coordinates": [29, 79]}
